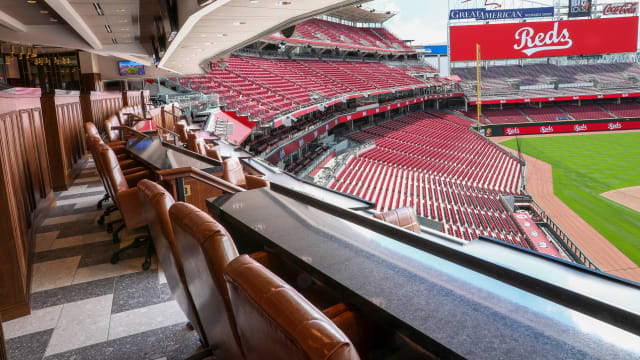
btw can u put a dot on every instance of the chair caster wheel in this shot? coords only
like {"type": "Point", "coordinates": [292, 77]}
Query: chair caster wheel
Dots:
{"type": "Point", "coordinates": [115, 258]}
{"type": "Point", "coordinates": [146, 265]}
{"type": "Point", "coordinates": [116, 239]}
{"type": "Point", "coordinates": [101, 221]}
{"type": "Point", "coordinates": [109, 228]}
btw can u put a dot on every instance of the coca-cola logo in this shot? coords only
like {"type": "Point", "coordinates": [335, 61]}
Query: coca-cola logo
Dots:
{"type": "Point", "coordinates": [530, 43]}
{"type": "Point", "coordinates": [627, 8]}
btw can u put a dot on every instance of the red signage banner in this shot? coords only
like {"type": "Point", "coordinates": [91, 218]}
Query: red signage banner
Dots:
{"type": "Point", "coordinates": [545, 38]}
{"type": "Point", "coordinates": [571, 128]}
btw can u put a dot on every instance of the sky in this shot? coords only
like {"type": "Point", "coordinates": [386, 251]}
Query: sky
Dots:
{"type": "Point", "coordinates": [426, 20]}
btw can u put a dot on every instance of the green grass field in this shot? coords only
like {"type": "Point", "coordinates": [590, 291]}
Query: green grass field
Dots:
{"type": "Point", "coordinates": [585, 167]}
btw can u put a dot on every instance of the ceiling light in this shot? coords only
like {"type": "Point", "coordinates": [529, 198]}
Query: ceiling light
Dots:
{"type": "Point", "coordinates": [108, 27]}
{"type": "Point", "coordinates": [238, 23]}
{"type": "Point", "coordinates": [123, 21]}
{"type": "Point", "coordinates": [120, 10]}
{"type": "Point", "coordinates": [284, 3]}
{"type": "Point", "coordinates": [44, 12]}
{"type": "Point", "coordinates": [53, 19]}
{"type": "Point", "coordinates": [253, 1]}
{"type": "Point", "coordinates": [124, 29]}
{"type": "Point", "coordinates": [98, 9]}
{"type": "Point", "coordinates": [31, 1]}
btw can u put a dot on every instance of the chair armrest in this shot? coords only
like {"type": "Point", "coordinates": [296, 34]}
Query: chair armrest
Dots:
{"type": "Point", "coordinates": [254, 182]}
{"type": "Point", "coordinates": [132, 180]}
{"type": "Point", "coordinates": [127, 163]}
{"type": "Point", "coordinates": [134, 170]}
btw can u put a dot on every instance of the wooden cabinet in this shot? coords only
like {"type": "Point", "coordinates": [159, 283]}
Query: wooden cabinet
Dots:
{"type": "Point", "coordinates": [64, 129]}
{"type": "Point", "coordinates": [26, 193]}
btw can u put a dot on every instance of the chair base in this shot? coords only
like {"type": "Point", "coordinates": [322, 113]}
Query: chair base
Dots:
{"type": "Point", "coordinates": [104, 198]}
{"type": "Point", "coordinates": [116, 238]}
{"type": "Point", "coordinates": [139, 241]}
{"type": "Point", "coordinates": [106, 213]}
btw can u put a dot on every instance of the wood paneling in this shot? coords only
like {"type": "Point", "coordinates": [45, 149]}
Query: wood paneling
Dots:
{"type": "Point", "coordinates": [64, 129]}
{"type": "Point", "coordinates": [3, 346]}
{"type": "Point", "coordinates": [98, 106]}
{"type": "Point", "coordinates": [90, 82]}
{"type": "Point", "coordinates": [26, 194]}
{"type": "Point", "coordinates": [135, 98]}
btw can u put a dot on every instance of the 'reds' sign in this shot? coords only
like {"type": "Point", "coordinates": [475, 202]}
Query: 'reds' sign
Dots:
{"type": "Point", "coordinates": [544, 39]}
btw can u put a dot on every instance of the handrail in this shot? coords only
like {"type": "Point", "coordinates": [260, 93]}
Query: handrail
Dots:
{"type": "Point", "coordinates": [216, 182]}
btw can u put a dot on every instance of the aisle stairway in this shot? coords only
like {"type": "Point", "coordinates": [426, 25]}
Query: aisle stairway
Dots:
{"type": "Point", "coordinates": [82, 306]}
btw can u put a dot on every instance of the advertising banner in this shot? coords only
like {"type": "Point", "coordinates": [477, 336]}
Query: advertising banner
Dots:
{"type": "Point", "coordinates": [557, 127]}
{"type": "Point", "coordinates": [544, 39]}
{"type": "Point", "coordinates": [625, 8]}
{"type": "Point", "coordinates": [579, 8]}
{"type": "Point", "coordinates": [485, 14]}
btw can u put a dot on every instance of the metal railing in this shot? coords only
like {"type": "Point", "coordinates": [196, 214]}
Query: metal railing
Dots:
{"type": "Point", "coordinates": [568, 245]}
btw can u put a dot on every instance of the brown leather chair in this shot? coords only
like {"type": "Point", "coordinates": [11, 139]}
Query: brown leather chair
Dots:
{"type": "Point", "coordinates": [275, 321]}
{"type": "Point", "coordinates": [214, 153]}
{"type": "Point", "coordinates": [156, 201]}
{"type": "Point", "coordinates": [234, 174]}
{"type": "Point", "coordinates": [113, 135]}
{"type": "Point", "coordinates": [404, 217]}
{"type": "Point", "coordinates": [205, 245]}
{"type": "Point", "coordinates": [126, 199]}
{"type": "Point", "coordinates": [182, 129]}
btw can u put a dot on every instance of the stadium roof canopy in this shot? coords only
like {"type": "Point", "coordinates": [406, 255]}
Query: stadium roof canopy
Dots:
{"type": "Point", "coordinates": [124, 28]}
{"type": "Point", "coordinates": [361, 14]}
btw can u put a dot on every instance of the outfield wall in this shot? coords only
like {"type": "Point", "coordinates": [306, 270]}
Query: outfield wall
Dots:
{"type": "Point", "coordinates": [557, 127]}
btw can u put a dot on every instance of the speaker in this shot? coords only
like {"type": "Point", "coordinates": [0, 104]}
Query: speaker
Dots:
{"type": "Point", "coordinates": [288, 32]}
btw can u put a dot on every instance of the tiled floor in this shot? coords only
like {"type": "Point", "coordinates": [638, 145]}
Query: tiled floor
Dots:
{"type": "Point", "coordinates": [83, 307]}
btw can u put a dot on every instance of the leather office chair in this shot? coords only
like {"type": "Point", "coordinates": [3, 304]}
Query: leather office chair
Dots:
{"type": "Point", "coordinates": [128, 167]}
{"type": "Point", "coordinates": [214, 153]}
{"type": "Point", "coordinates": [156, 201]}
{"type": "Point", "coordinates": [113, 135]}
{"type": "Point", "coordinates": [205, 245]}
{"type": "Point", "coordinates": [126, 199]}
{"type": "Point", "coordinates": [404, 217]}
{"type": "Point", "coordinates": [274, 319]}
{"type": "Point", "coordinates": [90, 129]}
{"type": "Point", "coordinates": [234, 174]}
{"type": "Point", "coordinates": [182, 128]}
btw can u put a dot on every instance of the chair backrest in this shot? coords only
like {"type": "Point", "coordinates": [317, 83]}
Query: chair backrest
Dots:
{"type": "Point", "coordinates": [112, 170]}
{"type": "Point", "coordinates": [273, 318]}
{"type": "Point", "coordinates": [192, 137]}
{"type": "Point", "coordinates": [214, 153]}
{"type": "Point", "coordinates": [205, 244]}
{"type": "Point", "coordinates": [112, 134]}
{"type": "Point", "coordinates": [181, 129]}
{"type": "Point", "coordinates": [233, 172]}
{"type": "Point", "coordinates": [155, 203]}
{"type": "Point", "coordinates": [90, 129]}
{"type": "Point", "coordinates": [404, 217]}
{"type": "Point", "coordinates": [93, 143]}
